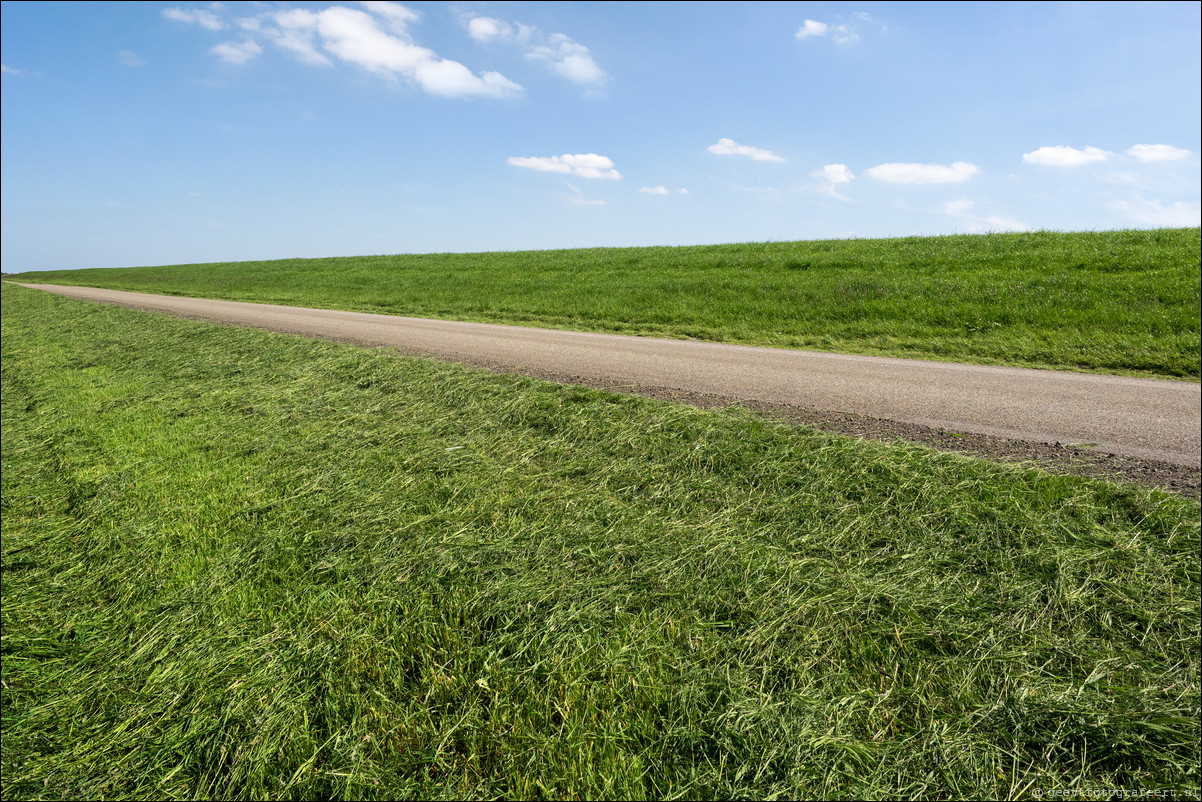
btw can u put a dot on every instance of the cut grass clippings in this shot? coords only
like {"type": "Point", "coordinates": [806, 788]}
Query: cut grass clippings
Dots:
{"type": "Point", "coordinates": [1123, 302]}
{"type": "Point", "coordinates": [242, 565]}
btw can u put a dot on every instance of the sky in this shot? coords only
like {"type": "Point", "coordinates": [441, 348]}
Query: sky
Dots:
{"type": "Point", "coordinates": [167, 133]}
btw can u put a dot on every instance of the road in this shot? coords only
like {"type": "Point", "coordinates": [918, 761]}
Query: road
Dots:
{"type": "Point", "coordinates": [1144, 418]}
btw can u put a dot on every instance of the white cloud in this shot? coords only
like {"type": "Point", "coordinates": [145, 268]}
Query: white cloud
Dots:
{"type": "Point", "coordinates": [205, 19]}
{"type": "Point", "coordinates": [835, 174]}
{"type": "Point", "coordinates": [236, 52]}
{"type": "Point", "coordinates": [456, 79]}
{"type": "Point", "coordinates": [1064, 156]}
{"type": "Point", "coordinates": [355, 37]}
{"type": "Point", "coordinates": [832, 175]}
{"type": "Point", "coordinates": [962, 210]}
{"type": "Point", "coordinates": [896, 173]}
{"type": "Point", "coordinates": [130, 58]}
{"type": "Point", "coordinates": [1180, 214]}
{"type": "Point", "coordinates": [729, 147]}
{"type": "Point", "coordinates": [812, 28]}
{"type": "Point", "coordinates": [570, 59]}
{"type": "Point", "coordinates": [393, 13]}
{"type": "Point", "coordinates": [1158, 153]}
{"type": "Point", "coordinates": [585, 165]}
{"type": "Point", "coordinates": [7, 70]}
{"type": "Point", "coordinates": [842, 34]}
{"type": "Point", "coordinates": [378, 41]}
{"type": "Point", "coordinates": [559, 52]}
{"type": "Point", "coordinates": [485, 29]}
{"type": "Point", "coordinates": [296, 31]}
{"type": "Point", "coordinates": [660, 190]}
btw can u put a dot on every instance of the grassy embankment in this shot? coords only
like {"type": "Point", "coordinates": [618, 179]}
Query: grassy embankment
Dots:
{"type": "Point", "coordinates": [1115, 302]}
{"type": "Point", "coordinates": [242, 565]}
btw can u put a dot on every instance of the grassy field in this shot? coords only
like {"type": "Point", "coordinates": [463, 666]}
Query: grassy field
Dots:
{"type": "Point", "coordinates": [243, 565]}
{"type": "Point", "coordinates": [1116, 302]}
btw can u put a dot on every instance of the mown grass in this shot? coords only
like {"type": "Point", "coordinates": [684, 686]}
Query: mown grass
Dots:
{"type": "Point", "coordinates": [242, 565]}
{"type": "Point", "coordinates": [1114, 301]}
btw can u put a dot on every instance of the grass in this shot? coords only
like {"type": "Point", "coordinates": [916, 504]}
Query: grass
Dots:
{"type": "Point", "coordinates": [242, 565]}
{"type": "Point", "coordinates": [1114, 302]}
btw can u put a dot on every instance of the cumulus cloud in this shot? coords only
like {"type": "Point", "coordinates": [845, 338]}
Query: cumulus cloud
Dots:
{"type": "Point", "coordinates": [486, 29]}
{"type": "Point", "coordinates": [236, 52]}
{"type": "Point", "coordinates": [559, 52]}
{"type": "Point", "coordinates": [835, 174]}
{"type": "Point", "coordinates": [377, 40]}
{"type": "Point", "coordinates": [1064, 156]}
{"type": "Point", "coordinates": [355, 37]}
{"type": "Point", "coordinates": [585, 165]}
{"type": "Point", "coordinates": [832, 175]}
{"type": "Point", "coordinates": [812, 28]}
{"type": "Point", "coordinates": [923, 173]}
{"type": "Point", "coordinates": [130, 58]}
{"type": "Point", "coordinates": [205, 19]}
{"type": "Point", "coordinates": [660, 190]}
{"type": "Point", "coordinates": [842, 34]}
{"type": "Point", "coordinates": [1158, 153]}
{"type": "Point", "coordinates": [729, 147]}
{"type": "Point", "coordinates": [570, 59]}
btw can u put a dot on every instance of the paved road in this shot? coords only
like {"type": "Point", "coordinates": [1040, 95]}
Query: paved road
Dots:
{"type": "Point", "coordinates": [1146, 418]}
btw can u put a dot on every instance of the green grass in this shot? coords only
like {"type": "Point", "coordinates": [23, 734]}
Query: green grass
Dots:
{"type": "Point", "coordinates": [1116, 301]}
{"type": "Point", "coordinates": [242, 565]}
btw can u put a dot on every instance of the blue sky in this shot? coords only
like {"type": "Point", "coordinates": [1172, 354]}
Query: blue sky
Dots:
{"type": "Point", "coordinates": [163, 133]}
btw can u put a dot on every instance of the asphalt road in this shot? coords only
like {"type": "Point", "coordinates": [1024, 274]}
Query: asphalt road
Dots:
{"type": "Point", "coordinates": [1144, 418]}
